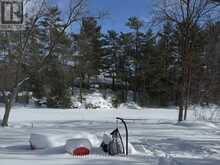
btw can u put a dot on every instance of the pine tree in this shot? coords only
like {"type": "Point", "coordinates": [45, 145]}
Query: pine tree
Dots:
{"type": "Point", "coordinates": [51, 80]}
{"type": "Point", "coordinates": [168, 64]}
{"type": "Point", "coordinates": [89, 60]}
{"type": "Point", "coordinates": [136, 24]}
{"type": "Point", "coordinates": [112, 50]}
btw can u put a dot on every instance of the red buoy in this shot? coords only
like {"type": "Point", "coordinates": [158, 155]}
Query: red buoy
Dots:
{"type": "Point", "coordinates": [78, 147]}
{"type": "Point", "coordinates": [81, 151]}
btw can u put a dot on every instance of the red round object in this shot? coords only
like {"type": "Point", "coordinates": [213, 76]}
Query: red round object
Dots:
{"type": "Point", "coordinates": [81, 151]}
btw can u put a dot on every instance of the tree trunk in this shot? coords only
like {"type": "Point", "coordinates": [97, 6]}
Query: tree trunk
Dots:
{"type": "Point", "coordinates": [7, 113]}
{"type": "Point", "coordinates": [181, 110]}
{"type": "Point", "coordinates": [180, 98]}
{"type": "Point", "coordinates": [81, 86]}
{"type": "Point", "coordinates": [9, 101]}
{"type": "Point", "coordinates": [135, 93]}
{"type": "Point", "coordinates": [80, 91]}
{"type": "Point", "coordinates": [180, 118]}
{"type": "Point", "coordinates": [185, 109]}
{"type": "Point", "coordinates": [189, 81]}
{"type": "Point", "coordinates": [113, 82]}
{"type": "Point", "coordinates": [137, 44]}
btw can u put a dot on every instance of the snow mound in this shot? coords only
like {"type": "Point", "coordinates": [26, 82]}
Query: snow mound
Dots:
{"type": "Point", "coordinates": [129, 105]}
{"type": "Point", "coordinates": [197, 124]}
{"type": "Point", "coordinates": [46, 141]}
{"type": "Point", "coordinates": [43, 141]}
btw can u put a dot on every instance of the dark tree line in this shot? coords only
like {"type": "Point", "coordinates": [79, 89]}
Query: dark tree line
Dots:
{"type": "Point", "coordinates": [142, 66]}
{"type": "Point", "coordinates": [178, 65]}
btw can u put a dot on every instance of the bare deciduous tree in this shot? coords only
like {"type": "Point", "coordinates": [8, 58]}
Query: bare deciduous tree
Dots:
{"type": "Point", "coordinates": [186, 15]}
{"type": "Point", "coordinates": [16, 51]}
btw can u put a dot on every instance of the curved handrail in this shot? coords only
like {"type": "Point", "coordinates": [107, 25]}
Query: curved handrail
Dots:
{"type": "Point", "coordinates": [126, 131]}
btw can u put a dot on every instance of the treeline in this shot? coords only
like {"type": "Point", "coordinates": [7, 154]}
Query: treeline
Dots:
{"type": "Point", "coordinates": [143, 65]}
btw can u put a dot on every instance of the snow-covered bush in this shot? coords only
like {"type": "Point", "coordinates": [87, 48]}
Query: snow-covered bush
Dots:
{"type": "Point", "coordinates": [96, 101]}
{"type": "Point", "coordinates": [115, 101]}
{"type": "Point", "coordinates": [92, 101]}
{"type": "Point", "coordinates": [75, 103]}
{"type": "Point", "coordinates": [39, 102]}
{"type": "Point", "coordinates": [206, 113]}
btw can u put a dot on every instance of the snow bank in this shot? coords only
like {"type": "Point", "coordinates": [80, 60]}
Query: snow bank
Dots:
{"type": "Point", "coordinates": [45, 140]}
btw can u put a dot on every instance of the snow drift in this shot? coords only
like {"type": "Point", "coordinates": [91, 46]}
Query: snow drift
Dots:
{"type": "Point", "coordinates": [40, 141]}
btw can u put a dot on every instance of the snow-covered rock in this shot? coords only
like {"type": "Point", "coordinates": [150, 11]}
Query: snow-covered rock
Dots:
{"type": "Point", "coordinates": [78, 146]}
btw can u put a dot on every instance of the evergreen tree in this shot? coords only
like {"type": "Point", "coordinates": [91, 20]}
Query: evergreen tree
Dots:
{"type": "Point", "coordinates": [90, 57]}
{"type": "Point", "coordinates": [112, 50]}
{"type": "Point", "coordinates": [51, 80]}
{"type": "Point", "coordinates": [136, 24]}
{"type": "Point", "coordinates": [168, 64]}
{"type": "Point", "coordinates": [210, 66]}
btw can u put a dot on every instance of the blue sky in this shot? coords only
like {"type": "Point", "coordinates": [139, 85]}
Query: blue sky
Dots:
{"type": "Point", "coordinates": [119, 11]}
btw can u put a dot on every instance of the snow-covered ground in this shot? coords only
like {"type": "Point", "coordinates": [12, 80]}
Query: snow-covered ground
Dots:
{"type": "Point", "coordinates": [155, 137]}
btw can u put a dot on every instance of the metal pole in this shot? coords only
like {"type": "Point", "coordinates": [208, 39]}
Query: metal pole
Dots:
{"type": "Point", "coordinates": [126, 131]}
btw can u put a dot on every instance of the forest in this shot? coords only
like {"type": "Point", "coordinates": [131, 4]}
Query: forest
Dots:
{"type": "Point", "coordinates": [175, 64]}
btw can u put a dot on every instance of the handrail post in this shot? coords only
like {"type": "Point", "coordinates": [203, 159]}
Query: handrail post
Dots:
{"type": "Point", "coordinates": [126, 131]}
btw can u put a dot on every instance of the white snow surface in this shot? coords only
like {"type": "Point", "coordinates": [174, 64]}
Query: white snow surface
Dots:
{"type": "Point", "coordinates": [155, 138]}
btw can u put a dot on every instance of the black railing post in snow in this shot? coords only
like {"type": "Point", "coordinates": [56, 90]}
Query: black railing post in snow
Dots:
{"type": "Point", "coordinates": [126, 131]}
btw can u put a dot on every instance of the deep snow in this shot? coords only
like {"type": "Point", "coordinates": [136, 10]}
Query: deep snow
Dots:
{"type": "Point", "coordinates": [155, 136]}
